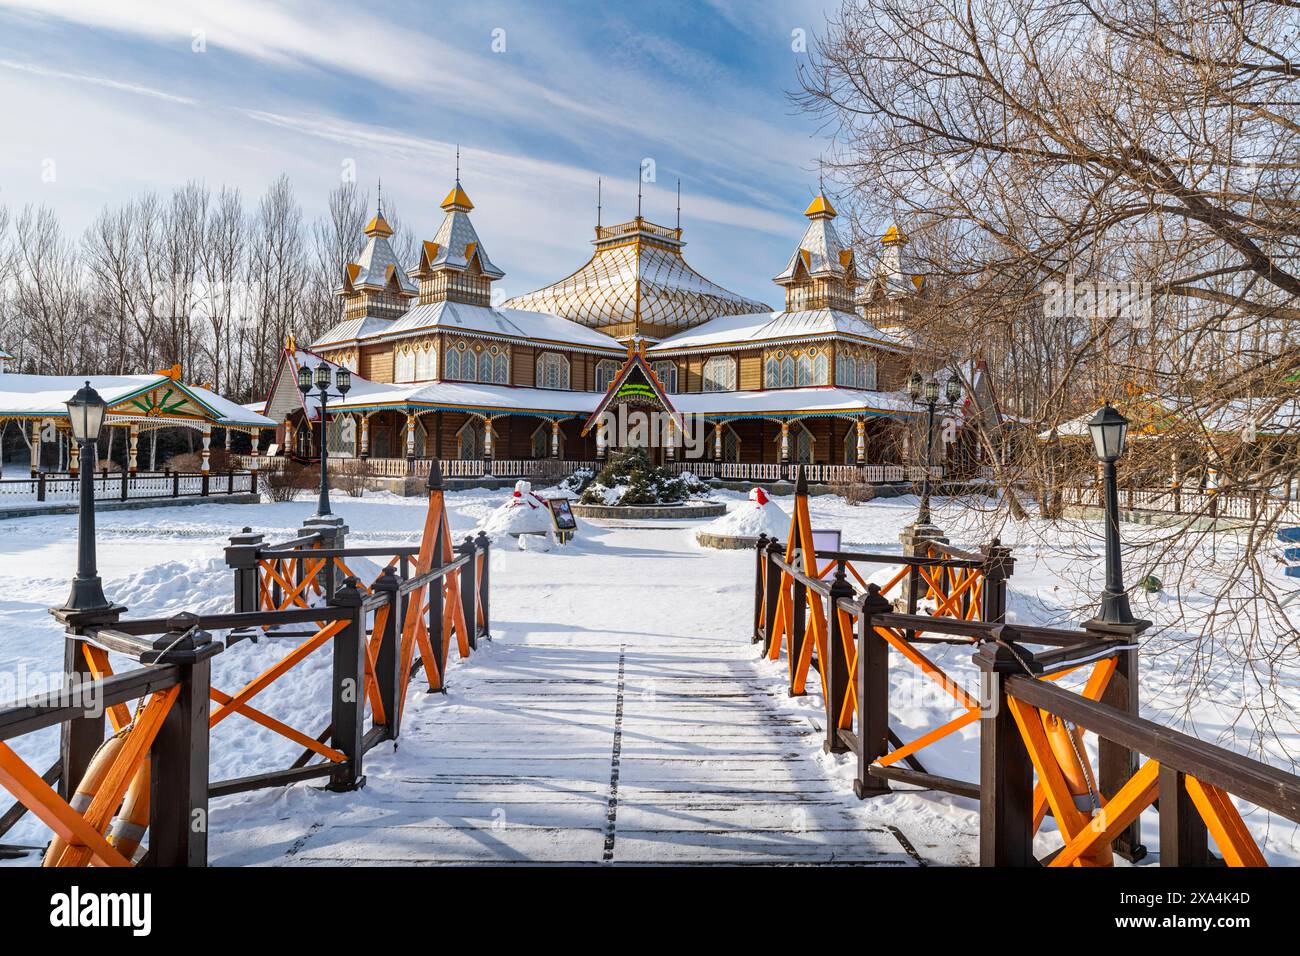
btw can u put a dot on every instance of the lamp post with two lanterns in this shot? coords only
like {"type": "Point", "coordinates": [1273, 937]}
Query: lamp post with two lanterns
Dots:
{"type": "Point", "coordinates": [320, 379]}
{"type": "Point", "coordinates": [927, 394]}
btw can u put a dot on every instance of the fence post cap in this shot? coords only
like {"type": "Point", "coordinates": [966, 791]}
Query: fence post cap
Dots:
{"type": "Point", "coordinates": [774, 546]}
{"type": "Point", "coordinates": [348, 594]}
{"type": "Point", "coordinates": [434, 481]}
{"type": "Point", "coordinates": [482, 539]}
{"type": "Point", "coordinates": [762, 540]}
{"type": "Point", "coordinates": [873, 602]}
{"type": "Point", "coordinates": [387, 580]}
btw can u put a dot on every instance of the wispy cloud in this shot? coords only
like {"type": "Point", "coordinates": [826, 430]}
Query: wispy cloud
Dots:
{"type": "Point", "coordinates": [105, 82]}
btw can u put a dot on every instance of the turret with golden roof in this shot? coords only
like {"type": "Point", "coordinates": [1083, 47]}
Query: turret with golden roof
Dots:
{"type": "Point", "coordinates": [454, 266]}
{"type": "Point", "coordinates": [375, 285]}
{"type": "Point", "coordinates": [820, 274]}
{"type": "Point", "coordinates": [895, 283]}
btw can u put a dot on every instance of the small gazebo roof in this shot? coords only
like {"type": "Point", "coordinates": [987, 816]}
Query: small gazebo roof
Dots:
{"type": "Point", "coordinates": [157, 398]}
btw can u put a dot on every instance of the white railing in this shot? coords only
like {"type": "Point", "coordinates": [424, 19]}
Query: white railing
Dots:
{"type": "Point", "coordinates": [1245, 506]}
{"type": "Point", "coordinates": [65, 488]}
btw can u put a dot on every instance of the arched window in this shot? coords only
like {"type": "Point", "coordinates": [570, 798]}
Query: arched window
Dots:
{"type": "Point", "coordinates": [720, 374]}
{"type": "Point", "coordinates": [552, 371]}
{"type": "Point", "coordinates": [502, 374]}
{"type": "Point", "coordinates": [542, 441]}
{"type": "Point", "coordinates": [801, 444]}
{"type": "Point", "coordinates": [867, 376]}
{"type": "Point", "coordinates": [772, 373]}
{"type": "Point", "coordinates": [469, 441]}
{"type": "Point", "coordinates": [820, 370]}
{"type": "Point", "coordinates": [404, 365]}
{"type": "Point", "coordinates": [426, 363]}
{"type": "Point", "coordinates": [805, 370]}
{"type": "Point", "coordinates": [486, 366]}
{"type": "Point", "coordinates": [606, 369]}
{"type": "Point", "coordinates": [343, 436]}
{"type": "Point", "coordinates": [453, 363]}
{"type": "Point", "coordinates": [787, 372]}
{"type": "Point", "coordinates": [666, 372]}
{"type": "Point", "coordinates": [730, 444]}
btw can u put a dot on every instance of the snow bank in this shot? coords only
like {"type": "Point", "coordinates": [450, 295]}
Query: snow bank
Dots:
{"type": "Point", "coordinates": [522, 513]}
{"type": "Point", "coordinates": [759, 515]}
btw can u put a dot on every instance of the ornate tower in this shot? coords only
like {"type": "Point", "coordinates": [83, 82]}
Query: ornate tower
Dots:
{"type": "Point", "coordinates": [375, 285]}
{"type": "Point", "coordinates": [889, 296]}
{"type": "Point", "coordinates": [454, 266]}
{"type": "Point", "coordinates": [820, 274]}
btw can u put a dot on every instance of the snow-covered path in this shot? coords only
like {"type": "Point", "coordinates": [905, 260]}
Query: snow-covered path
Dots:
{"type": "Point", "coordinates": [589, 732]}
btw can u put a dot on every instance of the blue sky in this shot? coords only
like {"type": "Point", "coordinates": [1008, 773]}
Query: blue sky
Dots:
{"type": "Point", "coordinates": [119, 98]}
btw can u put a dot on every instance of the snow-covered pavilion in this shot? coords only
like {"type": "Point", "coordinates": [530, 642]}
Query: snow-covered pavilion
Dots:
{"type": "Point", "coordinates": [136, 404]}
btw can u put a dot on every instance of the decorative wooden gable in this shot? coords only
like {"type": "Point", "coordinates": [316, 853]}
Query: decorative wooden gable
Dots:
{"type": "Point", "coordinates": [635, 385]}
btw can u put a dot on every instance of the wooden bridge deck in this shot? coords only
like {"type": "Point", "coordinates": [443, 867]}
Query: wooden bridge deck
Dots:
{"type": "Point", "coordinates": [588, 750]}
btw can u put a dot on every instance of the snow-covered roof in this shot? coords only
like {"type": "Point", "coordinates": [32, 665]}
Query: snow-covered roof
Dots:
{"type": "Point", "coordinates": [377, 265]}
{"type": "Point", "coordinates": [769, 327]}
{"type": "Point", "coordinates": [462, 395]}
{"type": "Point", "coordinates": [821, 251]}
{"type": "Point", "coordinates": [349, 330]}
{"type": "Point", "coordinates": [637, 275]}
{"type": "Point", "coordinates": [44, 396]}
{"type": "Point", "coordinates": [503, 323]}
{"type": "Point", "coordinates": [1151, 415]}
{"type": "Point", "coordinates": [808, 401]}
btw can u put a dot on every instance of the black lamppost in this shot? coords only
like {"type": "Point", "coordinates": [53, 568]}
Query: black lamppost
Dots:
{"type": "Point", "coordinates": [86, 412]}
{"type": "Point", "coordinates": [320, 378]}
{"type": "Point", "coordinates": [930, 391]}
{"type": "Point", "coordinates": [1109, 429]}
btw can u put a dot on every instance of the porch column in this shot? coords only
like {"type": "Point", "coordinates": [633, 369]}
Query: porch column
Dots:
{"type": "Point", "coordinates": [74, 456]}
{"type": "Point", "coordinates": [229, 435]}
{"type": "Point", "coordinates": [286, 446]}
{"type": "Point", "coordinates": [206, 454]}
{"type": "Point", "coordinates": [133, 451]}
{"type": "Point", "coordinates": [785, 442]}
{"type": "Point", "coordinates": [36, 446]}
{"type": "Point", "coordinates": [717, 441]}
{"type": "Point", "coordinates": [670, 446]}
{"type": "Point", "coordinates": [860, 427]}
{"type": "Point", "coordinates": [256, 436]}
{"type": "Point", "coordinates": [487, 446]}
{"type": "Point", "coordinates": [365, 436]}
{"type": "Point", "coordinates": [600, 442]}
{"type": "Point", "coordinates": [410, 435]}
{"type": "Point", "coordinates": [555, 439]}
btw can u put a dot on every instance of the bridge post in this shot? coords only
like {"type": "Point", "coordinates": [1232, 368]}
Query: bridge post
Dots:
{"type": "Point", "coordinates": [484, 544]}
{"type": "Point", "coordinates": [873, 695]}
{"type": "Point", "coordinates": [772, 594]}
{"type": "Point", "coordinates": [1006, 771]}
{"type": "Point", "coordinates": [798, 630]}
{"type": "Point", "coordinates": [1184, 840]}
{"type": "Point", "coordinates": [348, 697]}
{"type": "Point", "coordinates": [998, 565]}
{"type": "Point", "coordinates": [468, 590]}
{"type": "Point", "coordinates": [388, 663]}
{"type": "Point", "coordinates": [178, 799]}
{"type": "Point", "coordinates": [1116, 763]}
{"type": "Point", "coordinates": [241, 556]}
{"type": "Point", "coordinates": [837, 662]}
{"type": "Point", "coordinates": [760, 554]}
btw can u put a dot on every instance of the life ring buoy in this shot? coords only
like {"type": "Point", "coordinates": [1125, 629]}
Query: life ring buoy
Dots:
{"type": "Point", "coordinates": [1066, 744]}
{"type": "Point", "coordinates": [128, 830]}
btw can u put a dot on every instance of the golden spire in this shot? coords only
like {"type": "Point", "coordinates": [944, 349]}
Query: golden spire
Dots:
{"type": "Point", "coordinates": [379, 225]}
{"type": "Point", "coordinates": [820, 207]}
{"type": "Point", "coordinates": [457, 198]}
{"type": "Point", "coordinates": [893, 237]}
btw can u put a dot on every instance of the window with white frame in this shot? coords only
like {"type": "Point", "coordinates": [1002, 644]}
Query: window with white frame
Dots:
{"type": "Point", "coordinates": [666, 372]}
{"type": "Point", "coordinates": [606, 369]}
{"type": "Point", "coordinates": [404, 365]}
{"type": "Point", "coordinates": [426, 362]}
{"type": "Point", "coordinates": [719, 374]}
{"type": "Point", "coordinates": [552, 370]}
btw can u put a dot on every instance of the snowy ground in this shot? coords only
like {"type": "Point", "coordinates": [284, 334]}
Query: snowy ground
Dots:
{"type": "Point", "coordinates": [642, 590]}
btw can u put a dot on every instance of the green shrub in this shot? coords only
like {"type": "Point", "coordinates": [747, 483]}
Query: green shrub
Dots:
{"type": "Point", "coordinates": [641, 483]}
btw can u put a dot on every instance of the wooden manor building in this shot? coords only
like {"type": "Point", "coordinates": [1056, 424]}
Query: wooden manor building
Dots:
{"type": "Point", "coordinates": [441, 370]}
